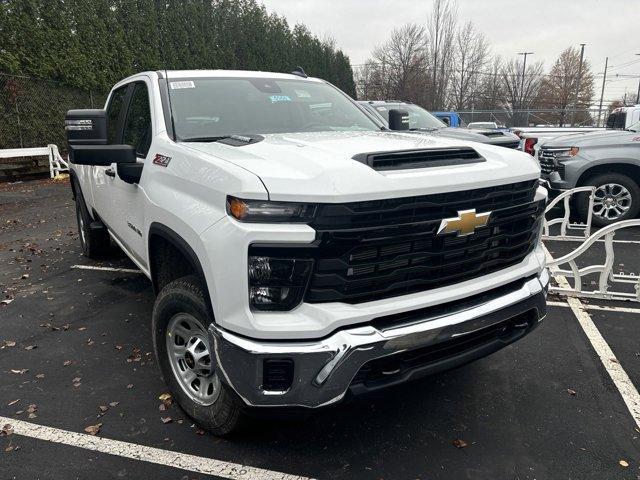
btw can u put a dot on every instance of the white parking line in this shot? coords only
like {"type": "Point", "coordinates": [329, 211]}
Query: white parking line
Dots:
{"type": "Point", "coordinates": [620, 378]}
{"type": "Point", "coordinates": [106, 269]}
{"type": "Point", "coordinates": [603, 308]}
{"type": "Point", "coordinates": [133, 451]}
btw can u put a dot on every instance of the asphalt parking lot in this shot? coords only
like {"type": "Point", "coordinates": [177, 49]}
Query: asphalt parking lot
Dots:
{"type": "Point", "coordinates": [76, 352]}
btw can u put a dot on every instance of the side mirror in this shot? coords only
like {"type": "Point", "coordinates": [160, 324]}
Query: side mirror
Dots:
{"type": "Point", "coordinates": [87, 139]}
{"type": "Point", "coordinates": [101, 155]}
{"type": "Point", "coordinates": [86, 127]}
{"type": "Point", "coordinates": [398, 119]}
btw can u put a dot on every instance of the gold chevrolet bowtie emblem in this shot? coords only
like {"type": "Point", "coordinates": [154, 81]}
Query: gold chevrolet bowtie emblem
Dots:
{"type": "Point", "coordinates": [465, 223]}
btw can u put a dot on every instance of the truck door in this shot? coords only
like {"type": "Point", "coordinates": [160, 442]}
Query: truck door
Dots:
{"type": "Point", "coordinates": [100, 200]}
{"type": "Point", "coordinates": [128, 206]}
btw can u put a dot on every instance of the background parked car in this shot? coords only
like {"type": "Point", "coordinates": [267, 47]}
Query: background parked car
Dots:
{"type": "Point", "coordinates": [608, 159]}
{"type": "Point", "coordinates": [423, 122]}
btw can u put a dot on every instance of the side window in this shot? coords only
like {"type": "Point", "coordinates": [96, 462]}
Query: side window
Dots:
{"type": "Point", "coordinates": [137, 127]}
{"type": "Point", "coordinates": [116, 103]}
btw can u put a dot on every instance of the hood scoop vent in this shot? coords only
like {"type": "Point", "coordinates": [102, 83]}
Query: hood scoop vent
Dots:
{"type": "Point", "coordinates": [424, 158]}
{"type": "Point", "coordinates": [492, 134]}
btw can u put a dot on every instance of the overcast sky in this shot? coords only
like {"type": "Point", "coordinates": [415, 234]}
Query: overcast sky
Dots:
{"type": "Point", "coordinates": [546, 27]}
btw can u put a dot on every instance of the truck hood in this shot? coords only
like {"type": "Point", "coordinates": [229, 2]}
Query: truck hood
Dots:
{"type": "Point", "coordinates": [593, 139]}
{"type": "Point", "coordinates": [318, 166]}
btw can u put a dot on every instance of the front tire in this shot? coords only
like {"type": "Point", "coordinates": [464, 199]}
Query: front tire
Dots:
{"type": "Point", "coordinates": [186, 359]}
{"type": "Point", "coordinates": [617, 198]}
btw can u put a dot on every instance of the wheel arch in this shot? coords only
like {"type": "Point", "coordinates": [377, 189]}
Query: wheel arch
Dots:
{"type": "Point", "coordinates": [631, 169]}
{"type": "Point", "coordinates": [162, 237]}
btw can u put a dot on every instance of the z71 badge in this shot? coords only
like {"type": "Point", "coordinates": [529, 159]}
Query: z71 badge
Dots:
{"type": "Point", "coordinates": [161, 160]}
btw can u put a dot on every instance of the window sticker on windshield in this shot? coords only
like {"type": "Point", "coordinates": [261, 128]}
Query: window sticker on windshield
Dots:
{"type": "Point", "coordinates": [279, 98]}
{"type": "Point", "coordinates": [182, 84]}
{"type": "Point", "coordinates": [302, 94]}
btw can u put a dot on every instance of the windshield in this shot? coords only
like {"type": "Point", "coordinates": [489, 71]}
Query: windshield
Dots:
{"type": "Point", "coordinates": [215, 107]}
{"type": "Point", "coordinates": [419, 118]}
{"type": "Point", "coordinates": [635, 127]}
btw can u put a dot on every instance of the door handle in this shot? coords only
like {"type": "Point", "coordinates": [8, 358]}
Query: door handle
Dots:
{"type": "Point", "coordinates": [110, 173]}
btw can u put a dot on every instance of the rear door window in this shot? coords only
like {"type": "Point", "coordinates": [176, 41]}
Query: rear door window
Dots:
{"type": "Point", "coordinates": [137, 127]}
{"type": "Point", "coordinates": [114, 114]}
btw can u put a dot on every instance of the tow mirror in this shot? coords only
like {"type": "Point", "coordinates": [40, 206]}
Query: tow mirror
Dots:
{"type": "Point", "coordinates": [398, 119]}
{"type": "Point", "coordinates": [101, 155]}
{"type": "Point", "coordinates": [86, 127]}
{"type": "Point", "coordinates": [87, 138]}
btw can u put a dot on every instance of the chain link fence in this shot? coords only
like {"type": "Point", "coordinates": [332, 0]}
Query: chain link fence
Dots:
{"type": "Point", "coordinates": [539, 117]}
{"type": "Point", "coordinates": [32, 115]}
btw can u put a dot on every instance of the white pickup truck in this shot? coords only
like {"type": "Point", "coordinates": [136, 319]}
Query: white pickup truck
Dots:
{"type": "Point", "coordinates": [299, 253]}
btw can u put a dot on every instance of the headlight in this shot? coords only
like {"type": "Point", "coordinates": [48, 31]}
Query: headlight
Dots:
{"type": "Point", "coordinates": [277, 284]}
{"type": "Point", "coordinates": [565, 154]}
{"type": "Point", "coordinates": [261, 211]}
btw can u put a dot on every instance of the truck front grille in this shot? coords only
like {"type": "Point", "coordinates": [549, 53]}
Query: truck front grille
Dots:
{"type": "Point", "coordinates": [384, 248]}
{"type": "Point", "coordinates": [546, 159]}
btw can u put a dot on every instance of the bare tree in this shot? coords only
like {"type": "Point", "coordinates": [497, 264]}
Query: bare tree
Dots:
{"type": "Point", "coordinates": [559, 89]}
{"type": "Point", "coordinates": [400, 60]}
{"type": "Point", "coordinates": [520, 94]}
{"type": "Point", "coordinates": [470, 56]}
{"type": "Point", "coordinates": [441, 26]}
{"type": "Point", "coordinates": [489, 96]}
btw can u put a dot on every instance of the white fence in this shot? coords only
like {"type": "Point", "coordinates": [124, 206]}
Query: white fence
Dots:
{"type": "Point", "coordinates": [607, 279]}
{"type": "Point", "coordinates": [56, 163]}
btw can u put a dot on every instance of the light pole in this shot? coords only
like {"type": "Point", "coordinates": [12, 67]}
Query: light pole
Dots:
{"type": "Point", "coordinates": [638, 95]}
{"type": "Point", "coordinates": [575, 100]}
{"type": "Point", "coordinates": [524, 69]}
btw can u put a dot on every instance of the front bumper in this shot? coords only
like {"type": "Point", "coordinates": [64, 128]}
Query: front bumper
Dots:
{"type": "Point", "coordinates": [324, 370]}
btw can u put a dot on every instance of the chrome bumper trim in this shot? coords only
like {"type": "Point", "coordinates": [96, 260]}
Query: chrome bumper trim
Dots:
{"type": "Point", "coordinates": [325, 368]}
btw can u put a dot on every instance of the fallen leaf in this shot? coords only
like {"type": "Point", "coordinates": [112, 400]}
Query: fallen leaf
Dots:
{"type": "Point", "coordinates": [40, 375]}
{"type": "Point", "coordinates": [32, 408]}
{"type": "Point", "coordinates": [166, 419]}
{"type": "Point", "coordinates": [13, 402]}
{"type": "Point", "coordinates": [571, 392]}
{"type": "Point", "coordinates": [9, 343]}
{"type": "Point", "coordinates": [459, 443]}
{"type": "Point", "coordinates": [6, 301]}
{"type": "Point", "coordinates": [80, 329]}
{"type": "Point", "coordinates": [77, 380]}
{"type": "Point", "coordinates": [130, 386]}
{"type": "Point", "coordinates": [6, 430]}
{"type": "Point", "coordinates": [32, 415]}
{"type": "Point", "coordinates": [30, 347]}
{"type": "Point", "coordinates": [20, 372]}
{"type": "Point", "coordinates": [199, 431]}
{"type": "Point", "coordinates": [67, 363]}
{"type": "Point", "coordinates": [623, 463]}
{"type": "Point", "coordinates": [93, 429]}
{"type": "Point", "coordinates": [12, 448]}
{"type": "Point", "coordinates": [113, 404]}
{"type": "Point", "coordinates": [103, 408]}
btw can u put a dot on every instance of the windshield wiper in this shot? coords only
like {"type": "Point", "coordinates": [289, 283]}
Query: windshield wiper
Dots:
{"type": "Point", "coordinates": [217, 138]}
{"type": "Point", "coordinates": [423, 129]}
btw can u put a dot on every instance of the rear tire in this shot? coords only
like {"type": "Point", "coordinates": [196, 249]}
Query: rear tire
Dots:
{"type": "Point", "coordinates": [95, 242]}
{"type": "Point", "coordinates": [186, 359]}
{"type": "Point", "coordinates": [617, 198]}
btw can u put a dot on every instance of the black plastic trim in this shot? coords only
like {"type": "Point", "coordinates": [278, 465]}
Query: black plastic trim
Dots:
{"type": "Point", "coordinates": [166, 233]}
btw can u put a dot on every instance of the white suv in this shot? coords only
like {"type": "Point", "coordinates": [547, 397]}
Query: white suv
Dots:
{"type": "Point", "coordinates": [299, 252]}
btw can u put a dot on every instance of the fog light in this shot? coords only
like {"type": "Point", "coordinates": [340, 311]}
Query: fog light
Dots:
{"type": "Point", "coordinates": [277, 284]}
